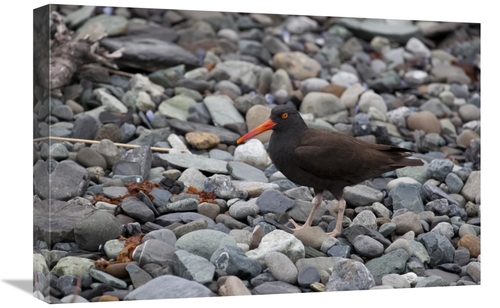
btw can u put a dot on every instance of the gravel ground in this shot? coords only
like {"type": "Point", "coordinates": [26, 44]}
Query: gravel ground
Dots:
{"type": "Point", "coordinates": [163, 203]}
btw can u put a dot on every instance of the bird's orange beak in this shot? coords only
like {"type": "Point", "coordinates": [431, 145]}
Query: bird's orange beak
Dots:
{"type": "Point", "coordinates": [269, 124]}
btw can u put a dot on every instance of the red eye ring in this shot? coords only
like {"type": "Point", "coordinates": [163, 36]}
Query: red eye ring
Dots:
{"type": "Point", "coordinates": [284, 115]}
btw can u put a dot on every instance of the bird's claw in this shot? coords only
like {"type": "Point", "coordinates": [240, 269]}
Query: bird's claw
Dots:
{"type": "Point", "coordinates": [296, 225]}
{"type": "Point", "coordinates": [334, 233]}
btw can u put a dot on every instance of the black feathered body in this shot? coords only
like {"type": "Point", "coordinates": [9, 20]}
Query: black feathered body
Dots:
{"type": "Point", "coordinates": [327, 160]}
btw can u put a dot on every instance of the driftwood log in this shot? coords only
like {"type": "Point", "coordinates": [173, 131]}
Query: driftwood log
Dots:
{"type": "Point", "coordinates": [68, 54]}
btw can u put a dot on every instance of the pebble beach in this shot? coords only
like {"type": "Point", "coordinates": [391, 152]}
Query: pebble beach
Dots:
{"type": "Point", "coordinates": [164, 204]}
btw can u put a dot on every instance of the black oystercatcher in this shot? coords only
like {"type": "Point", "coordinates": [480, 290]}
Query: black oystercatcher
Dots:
{"type": "Point", "coordinates": [325, 160]}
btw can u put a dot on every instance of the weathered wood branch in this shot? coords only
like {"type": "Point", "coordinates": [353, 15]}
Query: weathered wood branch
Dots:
{"type": "Point", "coordinates": [69, 54]}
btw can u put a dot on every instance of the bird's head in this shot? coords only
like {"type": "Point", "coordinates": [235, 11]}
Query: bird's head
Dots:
{"type": "Point", "coordinates": [282, 118]}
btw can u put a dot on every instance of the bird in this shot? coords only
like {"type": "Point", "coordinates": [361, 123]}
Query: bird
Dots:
{"type": "Point", "coordinates": [325, 160]}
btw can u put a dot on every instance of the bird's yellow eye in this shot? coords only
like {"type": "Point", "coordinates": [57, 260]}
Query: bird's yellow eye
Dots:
{"type": "Point", "coordinates": [284, 115]}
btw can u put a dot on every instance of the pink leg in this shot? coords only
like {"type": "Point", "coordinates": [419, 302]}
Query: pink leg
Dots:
{"type": "Point", "coordinates": [338, 226]}
{"type": "Point", "coordinates": [316, 203]}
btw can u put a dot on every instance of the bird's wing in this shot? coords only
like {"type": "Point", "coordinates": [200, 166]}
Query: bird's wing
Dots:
{"type": "Point", "coordinates": [334, 155]}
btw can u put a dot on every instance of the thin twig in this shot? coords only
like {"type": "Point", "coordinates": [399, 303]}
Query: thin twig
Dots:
{"type": "Point", "coordinates": [123, 145]}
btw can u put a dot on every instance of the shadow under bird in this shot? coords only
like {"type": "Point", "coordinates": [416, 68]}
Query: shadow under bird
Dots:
{"type": "Point", "coordinates": [325, 160]}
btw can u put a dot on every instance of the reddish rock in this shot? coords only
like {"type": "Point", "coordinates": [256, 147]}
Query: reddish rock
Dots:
{"type": "Point", "coordinates": [424, 120]}
{"type": "Point", "coordinates": [201, 140]}
{"type": "Point", "coordinates": [257, 236]}
{"type": "Point", "coordinates": [108, 298]}
{"type": "Point", "coordinates": [334, 89]}
{"type": "Point", "coordinates": [118, 270]}
{"type": "Point", "coordinates": [466, 137]}
{"type": "Point", "coordinates": [233, 286]}
{"type": "Point", "coordinates": [472, 243]}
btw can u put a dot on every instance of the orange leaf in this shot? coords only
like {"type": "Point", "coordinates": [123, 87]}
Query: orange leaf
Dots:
{"type": "Point", "coordinates": [130, 244]}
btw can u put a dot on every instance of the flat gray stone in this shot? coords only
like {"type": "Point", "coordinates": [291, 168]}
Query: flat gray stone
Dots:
{"type": "Point", "coordinates": [241, 209]}
{"type": "Point", "coordinates": [151, 137]}
{"type": "Point", "coordinates": [273, 201]}
{"type": "Point", "coordinates": [396, 281]}
{"type": "Point", "coordinates": [56, 151]}
{"type": "Point", "coordinates": [229, 222]}
{"type": "Point", "coordinates": [366, 219]}
{"type": "Point", "coordinates": [96, 229]}
{"type": "Point", "coordinates": [275, 287]}
{"type": "Point", "coordinates": [281, 267]}
{"type": "Point", "coordinates": [114, 191]}
{"type": "Point", "coordinates": [431, 281]}
{"type": "Point", "coordinates": [419, 251]}
{"type": "Point", "coordinates": [204, 242]}
{"type": "Point", "coordinates": [393, 262]}
{"type": "Point", "coordinates": [240, 72]}
{"type": "Point", "coordinates": [137, 209]}
{"type": "Point", "coordinates": [439, 248]}
{"type": "Point", "coordinates": [138, 276]}
{"type": "Point", "coordinates": [176, 107]}
{"type": "Point", "coordinates": [362, 195]}
{"type": "Point", "coordinates": [148, 53]}
{"type": "Point", "coordinates": [169, 286]}
{"type": "Point", "coordinates": [446, 276]}
{"type": "Point", "coordinates": [109, 101]}
{"type": "Point", "coordinates": [107, 278]}
{"type": "Point", "coordinates": [407, 196]}
{"type": "Point", "coordinates": [321, 104]}
{"type": "Point", "coordinates": [353, 231]}
{"type": "Point", "coordinates": [395, 31]}
{"type": "Point", "coordinates": [85, 127]}
{"type": "Point", "coordinates": [67, 180]}
{"type": "Point", "coordinates": [154, 251]}
{"type": "Point", "coordinates": [193, 267]}
{"type": "Point", "coordinates": [307, 276]}
{"type": "Point", "coordinates": [192, 216]}
{"type": "Point", "coordinates": [454, 183]}
{"type": "Point", "coordinates": [368, 247]}
{"type": "Point", "coordinates": [161, 197]}
{"type": "Point", "coordinates": [88, 157]}
{"type": "Point", "coordinates": [54, 220]}
{"type": "Point", "coordinates": [193, 177]}
{"type": "Point", "coordinates": [195, 161]}
{"type": "Point", "coordinates": [222, 110]}
{"type": "Point", "coordinates": [245, 172]}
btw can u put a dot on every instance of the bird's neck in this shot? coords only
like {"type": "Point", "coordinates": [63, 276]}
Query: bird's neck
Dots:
{"type": "Point", "coordinates": [290, 133]}
{"type": "Point", "coordinates": [287, 138]}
